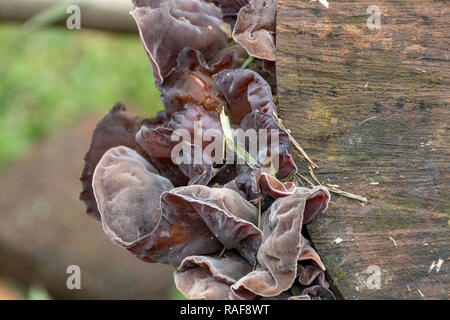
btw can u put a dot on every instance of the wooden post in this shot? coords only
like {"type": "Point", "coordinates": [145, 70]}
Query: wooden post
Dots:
{"type": "Point", "coordinates": [96, 14]}
{"type": "Point", "coordinates": [371, 107]}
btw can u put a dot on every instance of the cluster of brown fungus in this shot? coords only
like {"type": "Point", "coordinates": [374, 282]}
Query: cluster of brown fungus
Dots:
{"type": "Point", "coordinates": [232, 231]}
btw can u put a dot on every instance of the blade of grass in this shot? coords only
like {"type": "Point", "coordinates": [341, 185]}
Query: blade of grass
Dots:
{"type": "Point", "coordinates": [199, 177]}
{"type": "Point", "coordinates": [48, 16]}
{"type": "Point", "coordinates": [247, 62]}
{"type": "Point", "coordinates": [294, 142]}
{"type": "Point", "coordinates": [348, 195]}
{"type": "Point", "coordinates": [313, 176]}
{"type": "Point", "coordinates": [229, 141]}
{"type": "Point", "coordinates": [222, 252]}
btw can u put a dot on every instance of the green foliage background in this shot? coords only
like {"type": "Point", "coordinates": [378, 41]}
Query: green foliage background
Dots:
{"type": "Point", "coordinates": [53, 77]}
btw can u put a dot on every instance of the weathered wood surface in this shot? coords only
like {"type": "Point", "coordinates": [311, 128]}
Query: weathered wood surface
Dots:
{"type": "Point", "coordinates": [371, 107]}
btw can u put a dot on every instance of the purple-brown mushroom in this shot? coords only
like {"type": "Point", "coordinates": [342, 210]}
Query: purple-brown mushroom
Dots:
{"type": "Point", "coordinates": [255, 28]}
{"type": "Point", "coordinates": [175, 190]}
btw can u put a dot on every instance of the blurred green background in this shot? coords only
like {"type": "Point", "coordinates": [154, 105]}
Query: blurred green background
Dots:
{"type": "Point", "coordinates": [55, 84]}
{"type": "Point", "coordinates": [52, 77]}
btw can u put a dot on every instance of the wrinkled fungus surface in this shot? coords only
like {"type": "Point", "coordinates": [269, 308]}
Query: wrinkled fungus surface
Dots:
{"type": "Point", "coordinates": [255, 28]}
{"type": "Point", "coordinates": [231, 230]}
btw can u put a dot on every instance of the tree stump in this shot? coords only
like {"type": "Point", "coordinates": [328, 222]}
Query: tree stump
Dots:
{"type": "Point", "coordinates": [370, 107]}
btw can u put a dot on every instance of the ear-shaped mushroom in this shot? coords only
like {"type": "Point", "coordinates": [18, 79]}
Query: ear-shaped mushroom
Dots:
{"type": "Point", "coordinates": [190, 81]}
{"type": "Point", "coordinates": [279, 251]}
{"type": "Point", "coordinates": [127, 189]}
{"type": "Point", "coordinates": [245, 181]}
{"type": "Point", "coordinates": [308, 254]}
{"type": "Point", "coordinates": [115, 129]}
{"type": "Point", "coordinates": [281, 246]}
{"type": "Point", "coordinates": [168, 26]}
{"type": "Point", "coordinates": [132, 188]}
{"type": "Point", "coordinates": [310, 267]}
{"type": "Point", "coordinates": [248, 179]}
{"type": "Point", "coordinates": [199, 167]}
{"type": "Point", "coordinates": [316, 202]}
{"type": "Point", "coordinates": [156, 142]}
{"type": "Point", "coordinates": [128, 192]}
{"type": "Point", "coordinates": [193, 119]}
{"type": "Point", "coordinates": [230, 9]}
{"type": "Point", "coordinates": [230, 218]}
{"type": "Point", "coordinates": [259, 121]}
{"type": "Point", "coordinates": [245, 90]}
{"type": "Point", "coordinates": [169, 170]}
{"type": "Point", "coordinates": [319, 293]}
{"type": "Point", "coordinates": [207, 122]}
{"type": "Point", "coordinates": [192, 220]}
{"type": "Point", "coordinates": [308, 273]}
{"type": "Point", "coordinates": [255, 27]}
{"type": "Point", "coordinates": [210, 277]}
{"type": "Point", "coordinates": [286, 165]}
{"type": "Point", "coordinates": [274, 187]}
{"type": "Point", "coordinates": [225, 174]}
{"type": "Point", "coordinates": [269, 67]}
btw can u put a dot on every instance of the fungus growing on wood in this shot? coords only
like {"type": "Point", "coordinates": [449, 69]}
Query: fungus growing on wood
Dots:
{"type": "Point", "coordinates": [166, 27]}
{"type": "Point", "coordinates": [255, 28]}
{"type": "Point", "coordinates": [115, 129]}
{"type": "Point", "coordinates": [226, 222]}
{"type": "Point", "coordinates": [245, 91]}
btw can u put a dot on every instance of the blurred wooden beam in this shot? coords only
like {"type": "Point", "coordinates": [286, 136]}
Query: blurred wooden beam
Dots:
{"type": "Point", "coordinates": [95, 14]}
